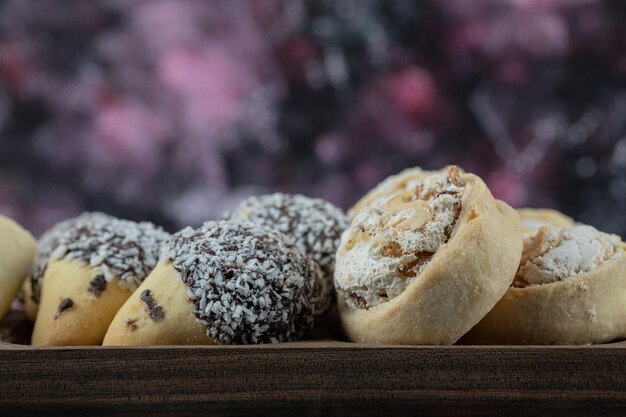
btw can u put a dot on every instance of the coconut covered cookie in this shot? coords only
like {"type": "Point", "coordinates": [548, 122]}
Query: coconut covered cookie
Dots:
{"type": "Point", "coordinates": [569, 289]}
{"type": "Point", "coordinates": [17, 248]}
{"type": "Point", "coordinates": [86, 268]}
{"type": "Point", "coordinates": [427, 255]}
{"type": "Point", "coordinates": [228, 283]}
{"type": "Point", "coordinates": [313, 225]}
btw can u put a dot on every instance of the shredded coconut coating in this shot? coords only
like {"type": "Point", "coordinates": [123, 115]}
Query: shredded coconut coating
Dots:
{"type": "Point", "coordinates": [555, 254]}
{"type": "Point", "coordinates": [392, 240]}
{"type": "Point", "coordinates": [122, 249]}
{"type": "Point", "coordinates": [313, 225]}
{"type": "Point", "coordinates": [247, 283]}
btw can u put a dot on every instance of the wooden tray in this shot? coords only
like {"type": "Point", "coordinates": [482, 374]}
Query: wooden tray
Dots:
{"type": "Point", "coordinates": [312, 377]}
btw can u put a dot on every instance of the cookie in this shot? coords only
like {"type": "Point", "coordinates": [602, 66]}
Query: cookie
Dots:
{"type": "Point", "coordinates": [45, 247]}
{"type": "Point", "coordinates": [427, 255]}
{"type": "Point", "coordinates": [570, 288]}
{"type": "Point", "coordinates": [85, 272]}
{"type": "Point", "coordinates": [313, 225]}
{"type": "Point", "coordinates": [17, 248]}
{"type": "Point", "coordinates": [225, 282]}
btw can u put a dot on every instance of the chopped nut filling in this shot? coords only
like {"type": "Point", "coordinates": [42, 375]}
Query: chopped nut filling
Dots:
{"type": "Point", "coordinates": [554, 254]}
{"type": "Point", "coordinates": [391, 240]}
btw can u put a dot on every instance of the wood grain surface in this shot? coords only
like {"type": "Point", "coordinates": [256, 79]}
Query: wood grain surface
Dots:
{"type": "Point", "coordinates": [314, 377]}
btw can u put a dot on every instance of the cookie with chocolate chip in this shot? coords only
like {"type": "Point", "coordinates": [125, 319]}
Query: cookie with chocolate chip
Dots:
{"type": "Point", "coordinates": [85, 270]}
{"type": "Point", "coordinates": [226, 282]}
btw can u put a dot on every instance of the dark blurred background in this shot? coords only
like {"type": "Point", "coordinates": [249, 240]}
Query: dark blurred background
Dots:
{"type": "Point", "coordinates": [173, 111]}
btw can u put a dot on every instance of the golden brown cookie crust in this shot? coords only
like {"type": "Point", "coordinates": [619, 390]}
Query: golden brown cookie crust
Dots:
{"type": "Point", "coordinates": [17, 248]}
{"type": "Point", "coordinates": [587, 308]}
{"type": "Point", "coordinates": [176, 323]}
{"type": "Point", "coordinates": [463, 280]}
{"type": "Point", "coordinates": [533, 218]}
{"type": "Point", "coordinates": [71, 315]}
{"type": "Point", "coordinates": [30, 306]}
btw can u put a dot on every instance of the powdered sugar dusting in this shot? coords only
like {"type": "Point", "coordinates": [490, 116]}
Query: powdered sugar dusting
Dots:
{"type": "Point", "coordinates": [312, 224]}
{"type": "Point", "coordinates": [119, 248]}
{"type": "Point", "coordinates": [554, 254]}
{"type": "Point", "coordinates": [248, 284]}
{"type": "Point", "coordinates": [391, 240]}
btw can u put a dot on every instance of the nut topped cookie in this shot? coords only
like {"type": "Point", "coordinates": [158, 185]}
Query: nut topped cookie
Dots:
{"type": "Point", "coordinates": [392, 240]}
{"type": "Point", "coordinates": [554, 254]}
{"type": "Point", "coordinates": [225, 282]}
{"type": "Point", "coordinates": [313, 225]}
{"type": "Point", "coordinates": [570, 288]}
{"type": "Point", "coordinates": [86, 268]}
{"type": "Point", "coordinates": [427, 255]}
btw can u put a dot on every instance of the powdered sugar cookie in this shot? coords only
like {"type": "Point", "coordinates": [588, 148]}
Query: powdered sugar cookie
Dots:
{"type": "Point", "coordinates": [569, 289]}
{"type": "Point", "coordinates": [427, 255]}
